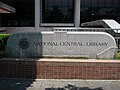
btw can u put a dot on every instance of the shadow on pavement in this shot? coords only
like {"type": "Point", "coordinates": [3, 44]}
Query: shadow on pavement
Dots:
{"type": "Point", "coordinates": [73, 87]}
{"type": "Point", "coordinates": [15, 84]}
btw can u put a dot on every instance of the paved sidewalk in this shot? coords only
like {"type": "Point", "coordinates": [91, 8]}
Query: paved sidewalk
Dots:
{"type": "Point", "coordinates": [55, 84]}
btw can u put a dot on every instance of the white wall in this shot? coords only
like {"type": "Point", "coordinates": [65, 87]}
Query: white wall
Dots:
{"type": "Point", "coordinates": [12, 30]}
{"type": "Point", "coordinates": [0, 20]}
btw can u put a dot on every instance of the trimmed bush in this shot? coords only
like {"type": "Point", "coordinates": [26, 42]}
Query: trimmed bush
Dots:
{"type": "Point", "coordinates": [118, 56]}
{"type": "Point", "coordinates": [3, 42]}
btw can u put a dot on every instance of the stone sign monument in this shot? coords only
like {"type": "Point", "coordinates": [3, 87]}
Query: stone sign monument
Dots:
{"type": "Point", "coordinates": [61, 44]}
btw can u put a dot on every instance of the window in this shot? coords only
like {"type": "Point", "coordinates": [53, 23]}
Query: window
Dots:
{"type": "Point", "coordinates": [92, 10]}
{"type": "Point", "coordinates": [57, 11]}
{"type": "Point", "coordinates": [24, 15]}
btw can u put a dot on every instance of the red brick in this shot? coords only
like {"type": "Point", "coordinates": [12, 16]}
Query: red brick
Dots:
{"type": "Point", "coordinates": [59, 70]}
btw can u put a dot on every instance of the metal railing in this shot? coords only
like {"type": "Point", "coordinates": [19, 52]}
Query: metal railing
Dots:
{"type": "Point", "coordinates": [83, 29]}
{"type": "Point", "coordinates": [113, 32]}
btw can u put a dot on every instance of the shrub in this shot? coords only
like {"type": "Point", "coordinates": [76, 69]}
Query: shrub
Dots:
{"type": "Point", "coordinates": [118, 55]}
{"type": "Point", "coordinates": [3, 42]}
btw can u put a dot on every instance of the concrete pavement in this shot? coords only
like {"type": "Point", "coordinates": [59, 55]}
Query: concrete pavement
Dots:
{"type": "Point", "coordinates": [56, 84]}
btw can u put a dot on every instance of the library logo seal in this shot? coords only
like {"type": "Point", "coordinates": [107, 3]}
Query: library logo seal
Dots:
{"type": "Point", "coordinates": [24, 43]}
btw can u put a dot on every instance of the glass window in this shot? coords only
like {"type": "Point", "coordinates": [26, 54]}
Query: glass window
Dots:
{"type": "Point", "coordinates": [58, 11]}
{"type": "Point", "coordinates": [24, 15]}
{"type": "Point", "coordinates": [49, 3]}
{"type": "Point", "coordinates": [108, 11]}
{"type": "Point", "coordinates": [101, 3]}
{"type": "Point", "coordinates": [115, 3]}
{"type": "Point", "coordinates": [100, 9]}
{"type": "Point", "coordinates": [70, 3]}
{"type": "Point", "coordinates": [58, 3]}
{"type": "Point", "coordinates": [64, 2]}
{"type": "Point", "coordinates": [87, 3]}
{"type": "Point", "coordinates": [95, 3]}
{"type": "Point", "coordinates": [108, 3]}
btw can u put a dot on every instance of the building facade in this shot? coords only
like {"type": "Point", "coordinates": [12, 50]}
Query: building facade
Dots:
{"type": "Point", "coordinates": [45, 14]}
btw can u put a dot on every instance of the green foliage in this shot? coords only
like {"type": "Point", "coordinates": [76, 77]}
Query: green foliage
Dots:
{"type": "Point", "coordinates": [118, 56]}
{"type": "Point", "coordinates": [3, 42]}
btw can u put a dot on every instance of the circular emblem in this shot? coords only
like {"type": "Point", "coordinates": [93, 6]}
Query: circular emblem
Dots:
{"type": "Point", "coordinates": [23, 43]}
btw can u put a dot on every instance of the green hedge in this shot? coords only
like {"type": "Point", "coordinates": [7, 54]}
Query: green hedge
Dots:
{"type": "Point", "coordinates": [118, 56]}
{"type": "Point", "coordinates": [3, 42]}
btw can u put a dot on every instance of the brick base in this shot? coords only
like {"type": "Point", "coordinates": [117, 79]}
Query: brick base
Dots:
{"type": "Point", "coordinates": [55, 69]}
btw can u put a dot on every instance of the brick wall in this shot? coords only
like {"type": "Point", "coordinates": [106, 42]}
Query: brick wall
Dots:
{"type": "Point", "coordinates": [46, 69]}
{"type": "Point", "coordinates": [17, 69]}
